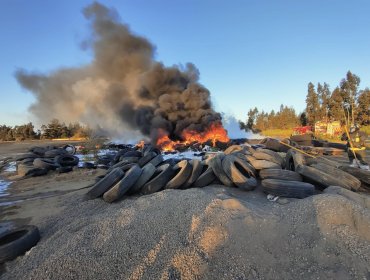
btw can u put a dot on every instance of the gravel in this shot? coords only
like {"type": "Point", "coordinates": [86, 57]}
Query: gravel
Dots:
{"type": "Point", "coordinates": [209, 233]}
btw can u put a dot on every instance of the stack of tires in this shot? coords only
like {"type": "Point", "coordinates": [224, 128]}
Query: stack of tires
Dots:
{"type": "Point", "coordinates": [40, 160]}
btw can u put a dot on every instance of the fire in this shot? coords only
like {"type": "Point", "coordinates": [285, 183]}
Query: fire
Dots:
{"type": "Point", "coordinates": [215, 132]}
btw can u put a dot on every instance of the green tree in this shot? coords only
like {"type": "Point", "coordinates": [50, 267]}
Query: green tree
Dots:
{"type": "Point", "coordinates": [349, 89]}
{"type": "Point", "coordinates": [363, 107]}
{"type": "Point", "coordinates": [312, 104]}
{"type": "Point", "coordinates": [336, 105]}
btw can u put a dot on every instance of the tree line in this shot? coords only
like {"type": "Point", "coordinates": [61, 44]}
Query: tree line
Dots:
{"type": "Point", "coordinates": [346, 103]}
{"type": "Point", "coordinates": [53, 130]}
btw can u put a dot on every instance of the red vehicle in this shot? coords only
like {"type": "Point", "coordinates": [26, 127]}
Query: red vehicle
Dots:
{"type": "Point", "coordinates": [300, 130]}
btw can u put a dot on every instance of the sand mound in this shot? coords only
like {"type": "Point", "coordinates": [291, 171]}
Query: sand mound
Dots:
{"type": "Point", "coordinates": [209, 233]}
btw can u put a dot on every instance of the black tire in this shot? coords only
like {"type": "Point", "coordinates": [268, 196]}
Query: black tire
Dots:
{"type": "Point", "coordinates": [24, 156]}
{"type": "Point", "coordinates": [323, 160]}
{"type": "Point", "coordinates": [133, 154]}
{"type": "Point", "coordinates": [118, 155]}
{"type": "Point", "coordinates": [233, 149]}
{"type": "Point", "coordinates": [261, 154]}
{"type": "Point", "coordinates": [280, 174]}
{"type": "Point", "coordinates": [67, 160]}
{"type": "Point", "coordinates": [301, 138]}
{"type": "Point", "coordinates": [239, 173]}
{"type": "Point", "coordinates": [64, 169]}
{"type": "Point", "coordinates": [36, 172]}
{"type": "Point", "coordinates": [70, 149]}
{"type": "Point", "coordinates": [55, 152]}
{"type": "Point", "coordinates": [362, 175]}
{"type": "Point", "coordinates": [293, 160]}
{"type": "Point", "coordinates": [216, 164]}
{"type": "Point", "coordinates": [106, 183]}
{"type": "Point", "coordinates": [146, 158]}
{"type": "Point", "coordinates": [40, 151]}
{"type": "Point", "coordinates": [260, 164]}
{"type": "Point", "coordinates": [285, 188]}
{"type": "Point", "coordinates": [207, 177]}
{"type": "Point", "coordinates": [129, 159]}
{"type": "Point", "coordinates": [245, 158]}
{"type": "Point", "coordinates": [148, 171]}
{"type": "Point", "coordinates": [320, 178]}
{"type": "Point", "coordinates": [182, 173]}
{"type": "Point", "coordinates": [160, 178]}
{"type": "Point", "coordinates": [16, 242]}
{"type": "Point", "coordinates": [45, 163]}
{"type": "Point", "coordinates": [28, 161]}
{"type": "Point", "coordinates": [124, 185]}
{"type": "Point", "coordinates": [149, 149]}
{"type": "Point", "coordinates": [195, 173]}
{"type": "Point", "coordinates": [157, 160]}
{"type": "Point", "coordinates": [271, 144]}
{"type": "Point", "coordinates": [345, 177]}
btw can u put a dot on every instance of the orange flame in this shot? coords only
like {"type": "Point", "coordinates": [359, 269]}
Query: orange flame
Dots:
{"type": "Point", "coordinates": [215, 132]}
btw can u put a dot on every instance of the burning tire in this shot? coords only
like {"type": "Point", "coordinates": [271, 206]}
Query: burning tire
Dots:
{"type": "Point", "coordinates": [207, 176]}
{"type": "Point", "coordinates": [285, 188]}
{"type": "Point", "coordinates": [239, 172]}
{"type": "Point", "coordinates": [197, 168]}
{"type": "Point", "coordinates": [106, 183]}
{"type": "Point", "coordinates": [216, 164]}
{"type": "Point", "coordinates": [67, 160]}
{"type": "Point", "coordinates": [16, 242]}
{"type": "Point", "coordinates": [182, 172]}
{"type": "Point", "coordinates": [280, 174]}
{"type": "Point", "coordinates": [147, 172]}
{"type": "Point", "coordinates": [124, 185]}
{"type": "Point", "coordinates": [160, 178]}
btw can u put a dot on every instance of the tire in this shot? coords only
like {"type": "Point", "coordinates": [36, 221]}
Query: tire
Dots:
{"type": "Point", "coordinates": [145, 159]}
{"type": "Point", "coordinates": [133, 154]}
{"type": "Point", "coordinates": [64, 169]}
{"type": "Point", "coordinates": [124, 185]}
{"type": "Point", "coordinates": [233, 149]}
{"type": "Point", "coordinates": [207, 177]}
{"type": "Point", "coordinates": [23, 169]}
{"type": "Point", "coordinates": [362, 175]}
{"type": "Point", "coordinates": [157, 160]}
{"type": "Point", "coordinates": [345, 177]}
{"type": "Point", "coordinates": [301, 138]}
{"type": "Point", "coordinates": [45, 163]}
{"type": "Point", "coordinates": [55, 152]}
{"type": "Point", "coordinates": [16, 242]}
{"type": "Point", "coordinates": [245, 158]}
{"type": "Point", "coordinates": [182, 173]}
{"type": "Point", "coordinates": [28, 161]}
{"type": "Point", "coordinates": [260, 164]}
{"type": "Point", "coordinates": [216, 164]}
{"type": "Point", "coordinates": [323, 160]}
{"type": "Point", "coordinates": [269, 157]}
{"type": "Point", "coordinates": [160, 178]}
{"type": "Point", "coordinates": [239, 173]}
{"type": "Point", "coordinates": [67, 160]}
{"type": "Point", "coordinates": [36, 172]}
{"type": "Point", "coordinates": [148, 171]}
{"type": "Point", "coordinates": [70, 149]}
{"type": "Point", "coordinates": [285, 188]}
{"type": "Point", "coordinates": [320, 178]}
{"type": "Point", "coordinates": [197, 168]}
{"type": "Point", "coordinates": [24, 156]}
{"type": "Point", "coordinates": [40, 151]}
{"type": "Point", "coordinates": [118, 155]}
{"type": "Point", "coordinates": [271, 144]}
{"type": "Point", "coordinates": [280, 174]}
{"type": "Point", "coordinates": [106, 183]}
{"type": "Point", "coordinates": [149, 149]}
{"type": "Point", "coordinates": [293, 160]}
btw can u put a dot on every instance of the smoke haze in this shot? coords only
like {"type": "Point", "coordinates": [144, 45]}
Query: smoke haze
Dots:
{"type": "Point", "coordinates": [124, 91]}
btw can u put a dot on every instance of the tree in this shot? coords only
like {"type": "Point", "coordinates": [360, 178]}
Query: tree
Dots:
{"type": "Point", "coordinates": [303, 119]}
{"type": "Point", "coordinates": [336, 105]}
{"type": "Point", "coordinates": [312, 104]}
{"type": "Point", "coordinates": [363, 107]}
{"type": "Point", "coordinates": [323, 92]}
{"type": "Point", "coordinates": [349, 90]}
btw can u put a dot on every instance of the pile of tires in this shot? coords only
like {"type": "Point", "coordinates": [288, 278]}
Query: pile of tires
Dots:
{"type": "Point", "coordinates": [40, 160]}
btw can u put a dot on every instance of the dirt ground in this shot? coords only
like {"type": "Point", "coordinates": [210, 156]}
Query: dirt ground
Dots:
{"type": "Point", "coordinates": [208, 233]}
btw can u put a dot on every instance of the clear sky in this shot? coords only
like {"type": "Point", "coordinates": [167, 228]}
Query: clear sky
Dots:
{"type": "Point", "coordinates": [250, 53]}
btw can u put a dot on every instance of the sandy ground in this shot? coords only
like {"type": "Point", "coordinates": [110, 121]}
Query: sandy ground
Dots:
{"type": "Point", "coordinates": [208, 233]}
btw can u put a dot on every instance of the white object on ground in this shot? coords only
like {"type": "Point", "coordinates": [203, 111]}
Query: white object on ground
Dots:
{"type": "Point", "coordinates": [272, 198]}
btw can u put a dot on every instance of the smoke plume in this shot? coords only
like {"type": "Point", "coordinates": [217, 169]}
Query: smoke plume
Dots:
{"type": "Point", "coordinates": [124, 90]}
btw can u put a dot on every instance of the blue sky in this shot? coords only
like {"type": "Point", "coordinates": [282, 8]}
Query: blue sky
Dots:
{"type": "Point", "coordinates": [249, 53]}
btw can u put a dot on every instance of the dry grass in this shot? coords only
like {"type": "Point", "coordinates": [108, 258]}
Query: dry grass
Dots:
{"type": "Point", "coordinates": [281, 133]}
